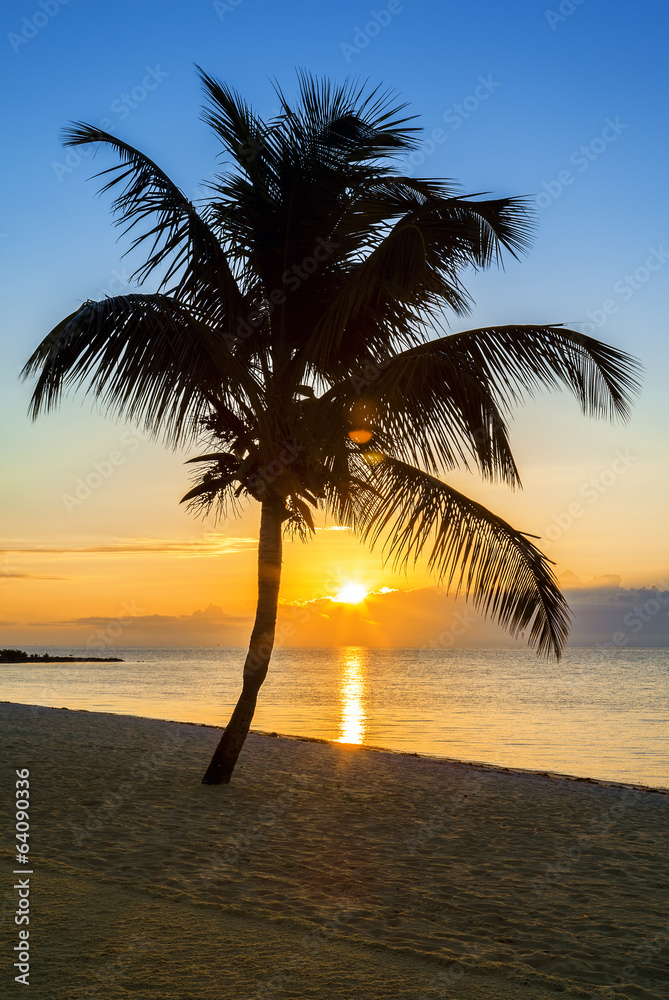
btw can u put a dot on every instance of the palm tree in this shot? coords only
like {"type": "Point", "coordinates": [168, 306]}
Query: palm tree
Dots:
{"type": "Point", "coordinates": [299, 327]}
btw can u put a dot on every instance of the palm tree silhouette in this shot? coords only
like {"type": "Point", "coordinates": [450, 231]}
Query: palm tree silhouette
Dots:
{"type": "Point", "coordinates": [298, 325]}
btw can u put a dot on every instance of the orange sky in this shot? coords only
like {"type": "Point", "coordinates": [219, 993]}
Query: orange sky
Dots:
{"type": "Point", "coordinates": [75, 553]}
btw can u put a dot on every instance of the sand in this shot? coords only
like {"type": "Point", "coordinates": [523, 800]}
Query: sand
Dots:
{"type": "Point", "coordinates": [323, 871]}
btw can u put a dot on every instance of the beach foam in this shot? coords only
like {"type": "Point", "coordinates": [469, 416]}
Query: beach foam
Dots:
{"type": "Point", "coordinates": [327, 871]}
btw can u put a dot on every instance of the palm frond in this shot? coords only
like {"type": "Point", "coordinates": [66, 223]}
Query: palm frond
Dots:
{"type": "Point", "coordinates": [143, 357]}
{"type": "Point", "coordinates": [180, 237]}
{"type": "Point", "coordinates": [415, 269]}
{"type": "Point", "coordinates": [482, 230]}
{"type": "Point", "coordinates": [426, 411]}
{"type": "Point", "coordinates": [516, 361]}
{"type": "Point", "coordinates": [208, 492]}
{"type": "Point", "coordinates": [506, 576]}
{"type": "Point", "coordinates": [243, 134]}
{"type": "Point", "coordinates": [434, 404]}
{"type": "Point", "coordinates": [348, 121]}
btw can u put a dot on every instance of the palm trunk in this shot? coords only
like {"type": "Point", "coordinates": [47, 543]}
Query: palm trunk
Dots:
{"type": "Point", "coordinates": [225, 757]}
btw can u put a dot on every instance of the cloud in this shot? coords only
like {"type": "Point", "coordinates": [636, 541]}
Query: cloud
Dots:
{"type": "Point", "coordinates": [619, 617]}
{"type": "Point", "coordinates": [11, 575]}
{"type": "Point", "coordinates": [210, 626]}
{"type": "Point", "coordinates": [210, 545]}
{"type": "Point", "coordinates": [604, 614]}
{"type": "Point", "coordinates": [7, 572]}
{"type": "Point", "coordinates": [211, 615]}
{"type": "Point", "coordinates": [424, 617]}
{"type": "Point", "coordinates": [569, 580]}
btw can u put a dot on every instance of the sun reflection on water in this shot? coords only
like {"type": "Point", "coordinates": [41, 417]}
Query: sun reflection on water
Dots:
{"type": "Point", "coordinates": [353, 722]}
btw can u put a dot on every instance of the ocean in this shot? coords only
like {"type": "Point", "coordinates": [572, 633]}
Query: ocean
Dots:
{"type": "Point", "coordinates": [596, 714]}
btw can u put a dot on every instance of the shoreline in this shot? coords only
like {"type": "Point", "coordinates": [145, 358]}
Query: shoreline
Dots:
{"type": "Point", "coordinates": [503, 709]}
{"type": "Point", "coordinates": [437, 759]}
{"type": "Point", "coordinates": [325, 872]}
{"type": "Point", "coordinates": [39, 660]}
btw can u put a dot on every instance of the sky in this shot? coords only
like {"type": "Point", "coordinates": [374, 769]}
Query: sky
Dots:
{"type": "Point", "coordinates": [562, 102]}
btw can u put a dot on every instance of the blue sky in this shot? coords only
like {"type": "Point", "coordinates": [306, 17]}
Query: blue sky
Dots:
{"type": "Point", "coordinates": [565, 102]}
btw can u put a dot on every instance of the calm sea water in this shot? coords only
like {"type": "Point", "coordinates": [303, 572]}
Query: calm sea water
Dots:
{"type": "Point", "coordinates": [592, 715]}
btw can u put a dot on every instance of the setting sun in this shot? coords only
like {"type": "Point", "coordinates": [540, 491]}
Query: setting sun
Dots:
{"type": "Point", "coordinates": [351, 593]}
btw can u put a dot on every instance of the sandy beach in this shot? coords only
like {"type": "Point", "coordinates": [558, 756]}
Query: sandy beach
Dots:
{"type": "Point", "coordinates": [323, 871]}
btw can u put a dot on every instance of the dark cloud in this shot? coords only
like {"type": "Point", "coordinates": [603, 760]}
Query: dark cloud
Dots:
{"type": "Point", "coordinates": [617, 616]}
{"type": "Point", "coordinates": [210, 616]}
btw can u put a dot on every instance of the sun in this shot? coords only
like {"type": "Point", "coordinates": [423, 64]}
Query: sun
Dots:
{"type": "Point", "coordinates": [351, 593]}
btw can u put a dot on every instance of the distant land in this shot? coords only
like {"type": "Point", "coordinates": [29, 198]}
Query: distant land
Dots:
{"type": "Point", "coordinates": [19, 656]}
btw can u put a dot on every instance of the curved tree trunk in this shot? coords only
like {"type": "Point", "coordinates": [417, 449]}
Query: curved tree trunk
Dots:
{"type": "Point", "coordinates": [225, 757]}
